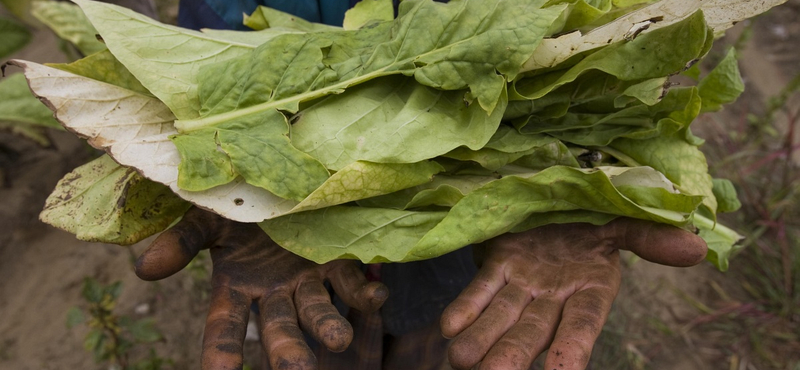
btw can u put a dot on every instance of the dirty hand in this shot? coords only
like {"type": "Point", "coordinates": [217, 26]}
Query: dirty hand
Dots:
{"type": "Point", "coordinates": [552, 287]}
{"type": "Point", "coordinates": [249, 267]}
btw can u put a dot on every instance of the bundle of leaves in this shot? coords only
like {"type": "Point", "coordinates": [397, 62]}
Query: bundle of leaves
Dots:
{"type": "Point", "coordinates": [398, 138]}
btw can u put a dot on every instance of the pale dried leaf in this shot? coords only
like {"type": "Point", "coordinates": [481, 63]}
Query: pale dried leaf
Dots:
{"type": "Point", "coordinates": [135, 129]}
{"type": "Point", "coordinates": [719, 14]}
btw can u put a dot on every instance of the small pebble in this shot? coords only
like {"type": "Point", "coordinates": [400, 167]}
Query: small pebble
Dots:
{"type": "Point", "coordinates": [142, 309]}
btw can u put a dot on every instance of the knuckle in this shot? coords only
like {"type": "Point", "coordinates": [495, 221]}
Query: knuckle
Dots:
{"type": "Point", "coordinates": [589, 325]}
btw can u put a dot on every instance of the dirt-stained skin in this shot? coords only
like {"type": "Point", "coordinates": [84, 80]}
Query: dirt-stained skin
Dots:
{"type": "Point", "coordinates": [249, 267]}
{"type": "Point", "coordinates": [552, 287]}
{"type": "Point", "coordinates": [547, 289]}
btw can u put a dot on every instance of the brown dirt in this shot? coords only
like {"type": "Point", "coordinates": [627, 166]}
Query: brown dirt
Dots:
{"type": "Point", "coordinates": [42, 269]}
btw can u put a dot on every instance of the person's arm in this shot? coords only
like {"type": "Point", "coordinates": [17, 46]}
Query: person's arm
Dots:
{"type": "Point", "coordinates": [249, 267]}
{"type": "Point", "coordinates": [551, 289]}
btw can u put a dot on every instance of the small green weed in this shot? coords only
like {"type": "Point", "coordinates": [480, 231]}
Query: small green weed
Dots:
{"type": "Point", "coordinates": [111, 337]}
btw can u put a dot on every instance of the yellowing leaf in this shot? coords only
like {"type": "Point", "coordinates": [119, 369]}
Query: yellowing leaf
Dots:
{"type": "Point", "coordinates": [368, 11]}
{"type": "Point", "coordinates": [362, 180]}
{"type": "Point", "coordinates": [69, 23]}
{"type": "Point", "coordinates": [102, 201]}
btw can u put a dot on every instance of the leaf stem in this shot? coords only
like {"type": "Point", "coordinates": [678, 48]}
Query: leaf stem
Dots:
{"type": "Point", "coordinates": [186, 126]}
{"type": "Point", "coordinates": [622, 157]}
{"type": "Point", "coordinates": [708, 224]}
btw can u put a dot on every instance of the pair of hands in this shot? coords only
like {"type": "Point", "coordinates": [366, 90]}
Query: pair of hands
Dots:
{"type": "Point", "coordinates": [548, 287]}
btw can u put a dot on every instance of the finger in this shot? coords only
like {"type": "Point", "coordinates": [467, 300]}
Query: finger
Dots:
{"type": "Point", "coordinates": [466, 308]}
{"type": "Point", "coordinates": [352, 286]}
{"type": "Point", "coordinates": [581, 322]}
{"type": "Point", "coordinates": [659, 243]}
{"type": "Point", "coordinates": [282, 339]}
{"type": "Point", "coordinates": [176, 247]}
{"type": "Point", "coordinates": [474, 342]}
{"type": "Point", "coordinates": [226, 326]}
{"type": "Point", "coordinates": [320, 318]}
{"type": "Point", "coordinates": [529, 337]}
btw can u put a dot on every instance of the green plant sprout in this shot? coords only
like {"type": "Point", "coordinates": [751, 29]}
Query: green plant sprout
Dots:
{"type": "Point", "coordinates": [112, 337]}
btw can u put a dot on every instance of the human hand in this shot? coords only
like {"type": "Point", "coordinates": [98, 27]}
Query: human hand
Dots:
{"type": "Point", "coordinates": [248, 267]}
{"type": "Point", "coordinates": [552, 286]}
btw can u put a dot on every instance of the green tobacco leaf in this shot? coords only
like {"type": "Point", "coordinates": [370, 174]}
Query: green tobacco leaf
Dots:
{"type": "Point", "coordinates": [104, 67]}
{"type": "Point", "coordinates": [563, 217]}
{"type": "Point", "coordinates": [202, 166]}
{"type": "Point", "coordinates": [445, 191]}
{"type": "Point", "coordinates": [642, 176]}
{"type": "Point", "coordinates": [649, 92]}
{"type": "Point", "coordinates": [317, 64]}
{"type": "Point", "coordinates": [257, 148]}
{"type": "Point", "coordinates": [474, 40]}
{"type": "Point", "coordinates": [14, 35]}
{"type": "Point", "coordinates": [69, 23]}
{"type": "Point", "coordinates": [500, 205]}
{"type": "Point", "coordinates": [593, 91]}
{"type": "Point", "coordinates": [105, 202]}
{"type": "Point", "coordinates": [488, 158]}
{"type": "Point", "coordinates": [372, 235]}
{"type": "Point", "coordinates": [693, 72]}
{"type": "Point", "coordinates": [267, 18]}
{"type": "Point", "coordinates": [652, 55]}
{"type": "Point", "coordinates": [366, 12]}
{"type": "Point", "coordinates": [554, 153]}
{"type": "Point", "coordinates": [362, 180]}
{"type": "Point", "coordinates": [166, 59]}
{"type": "Point", "coordinates": [581, 12]}
{"type": "Point", "coordinates": [725, 194]}
{"type": "Point", "coordinates": [672, 114]}
{"type": "Point", "coordinates": [508, 140]}
{"type": "Point", "coordinates": [391, 120]}
{"type": "Point", "coordinates": [17, 104]}
{"type": "Point", "coordinates": [380, 235]}
{"type": "Point", "coordinates": [722, 85]}
{"type": "Point", "coordinates": [682, 163]}
{"type": "Point", "coordinates": [313, 65]}
{"type": "Point", "coordinates": [722, 241]}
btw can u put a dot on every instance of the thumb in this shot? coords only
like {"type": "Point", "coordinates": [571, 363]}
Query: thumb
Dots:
{"type": "Point", "coordinates": [176, 247]}
{"type": "Point", "coordinates": [658, 243]}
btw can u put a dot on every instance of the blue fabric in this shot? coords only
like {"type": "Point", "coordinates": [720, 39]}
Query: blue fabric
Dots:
{"type": "Point", "coordinates": [227, 14]}
{"type": "Point", "coordinates": [419, 291]}
{"type": "Point", "coordinates": [196, 14]}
